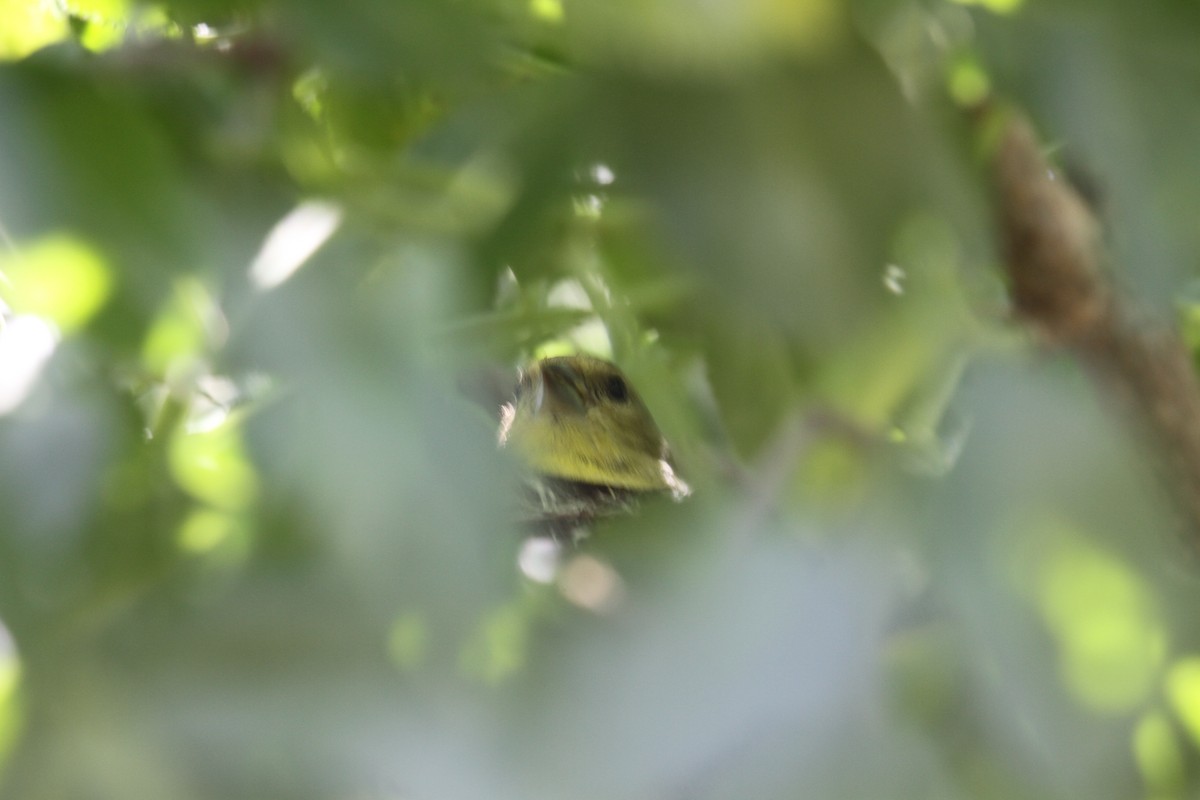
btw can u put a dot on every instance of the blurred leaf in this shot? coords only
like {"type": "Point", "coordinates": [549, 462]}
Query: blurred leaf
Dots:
{"type": "Point", "coordinates": [1183, 690]}
{"type": "Point", "coordinates": [187, 327]}
{"type": "Point", "coordinates": [1157, 750]}
{"type": "Point", "coordinates": [748, 647]}
{"type": "Point", "coordinates": [29, 26]}
{"type": "Point", "coordinates": [422, 38]}
{"type": "Point", "coordinates": [1113, 645]}
{"type": "Point", "coordinates": [58, 278]}
{"type": "Point", "coordinates": [10, 712]}
{"type": "Point", "coordinates": [684, 36]}
{"type": "Point", "coordinates": [87, 161]}
{"type": "Point", "coordinates": [256, 542]}
{"type": "Point", "coordinates": [211, 466]}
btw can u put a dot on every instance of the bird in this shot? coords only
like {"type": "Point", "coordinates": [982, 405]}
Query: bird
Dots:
{"type": "Point", "coordinates": [589, 443]}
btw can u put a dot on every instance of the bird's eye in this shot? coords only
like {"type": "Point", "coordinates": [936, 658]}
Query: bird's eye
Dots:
{"type": "Point", "coordinates": [616, 389]}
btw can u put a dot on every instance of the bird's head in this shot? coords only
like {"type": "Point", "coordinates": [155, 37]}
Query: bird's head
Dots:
{"type": "Point", "coordinates": [578, 418]}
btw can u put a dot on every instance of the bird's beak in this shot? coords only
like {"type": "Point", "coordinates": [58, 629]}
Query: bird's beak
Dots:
{"type": "Point", "coordinates": [560, 387]}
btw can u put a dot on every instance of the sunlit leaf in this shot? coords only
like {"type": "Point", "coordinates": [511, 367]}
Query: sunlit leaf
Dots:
{"type": "Point", "coordinates": [29, 25]}
{"type": "Point", "coordinates": [106, 20]}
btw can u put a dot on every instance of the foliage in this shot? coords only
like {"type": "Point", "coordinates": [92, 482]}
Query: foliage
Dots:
{"type": "Point", "coordinates": [256, 542]}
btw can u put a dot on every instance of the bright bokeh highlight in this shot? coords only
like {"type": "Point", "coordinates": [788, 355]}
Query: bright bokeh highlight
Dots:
{"type": "Point", "coordinates": [26, 344]}
{"type": "Point", "coordinates": [212, 466]}
{"type": "Point", "coordinates": [547, 10]}
{"type": "Point", "coordinates": [293, 241]}
{"type": "Point", "coordinates": [59, 278]}
{"type": "Point", "coordinates": [28, 26]}
{"type": "Point", "coordinates": [107, 21]}
{"type": "Point", "coordinates": [968, 82]}
{"type": "Point", "coordinates": [1183, 691]}
{"type": "Point", "coordinates": [1112, 643]}
{"type": "Point", "coordinates": [995, 6]}
{"type": "Point", "coordinates": [10, 679]}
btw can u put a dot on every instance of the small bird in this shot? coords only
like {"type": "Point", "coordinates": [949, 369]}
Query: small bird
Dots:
{"type": "Point", "coordinates": [590, 443]}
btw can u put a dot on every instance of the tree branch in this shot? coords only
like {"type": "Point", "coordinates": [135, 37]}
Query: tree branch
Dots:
{"type": "Point", "coordinates": [1054, 258]}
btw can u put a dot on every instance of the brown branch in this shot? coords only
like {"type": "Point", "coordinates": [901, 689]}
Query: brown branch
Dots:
{"type": "Point", "coordinates": [1054, 255]}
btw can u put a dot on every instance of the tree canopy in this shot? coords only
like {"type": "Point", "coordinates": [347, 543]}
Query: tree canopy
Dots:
{"type": "Point", "coordinates": [267, 270]}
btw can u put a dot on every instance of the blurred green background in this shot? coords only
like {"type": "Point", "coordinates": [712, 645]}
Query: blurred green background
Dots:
{"type": "Point", "coordinates": [254, 538]}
